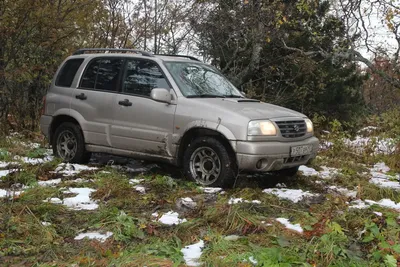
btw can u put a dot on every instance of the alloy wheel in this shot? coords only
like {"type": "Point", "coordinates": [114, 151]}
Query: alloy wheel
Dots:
{"type": "Point", "coordinates": [205, 165]}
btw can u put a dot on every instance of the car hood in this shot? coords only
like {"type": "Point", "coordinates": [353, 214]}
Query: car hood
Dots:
{"type": "Point", "coordinates": [250, 108]}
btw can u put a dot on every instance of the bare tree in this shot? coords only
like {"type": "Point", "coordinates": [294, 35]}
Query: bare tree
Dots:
{"type": "Point", "coordinates": [365, 21]}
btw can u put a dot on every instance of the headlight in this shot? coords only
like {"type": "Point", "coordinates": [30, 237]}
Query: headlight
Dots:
{"type": "Point", "coordinates": [261, 128]}
{"type": "Point", "coordinates": [310, 127]}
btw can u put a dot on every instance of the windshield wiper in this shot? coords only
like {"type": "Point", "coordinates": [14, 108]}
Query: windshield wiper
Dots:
{"type": "Point", "coordinates": [205, 96]}
{"type": "Point", "coordinates": [233, 96]}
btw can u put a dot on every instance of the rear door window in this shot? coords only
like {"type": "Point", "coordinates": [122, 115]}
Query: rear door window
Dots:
{"type": "Point", "coordinates": [68, 71]}
{"type": "Point", "coordinates": [102, 74]}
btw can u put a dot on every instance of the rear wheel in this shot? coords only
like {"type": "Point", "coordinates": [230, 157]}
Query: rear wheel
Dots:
{"type": "Point", "coordinates": [69, 144]}
{"type": "Point", "coordinates": [208, 162]}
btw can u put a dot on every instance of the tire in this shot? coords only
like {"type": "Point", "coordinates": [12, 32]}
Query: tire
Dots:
{"type": "Point", "coordinates": [73, 150]}
{"type": "Point", "coordinates": [290, 172]}
{"type": "Point", "coordinates": [207, 162]}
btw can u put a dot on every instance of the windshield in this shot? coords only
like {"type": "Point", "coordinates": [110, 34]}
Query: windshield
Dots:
{"type": "Point", "coordinates": [200, 80]}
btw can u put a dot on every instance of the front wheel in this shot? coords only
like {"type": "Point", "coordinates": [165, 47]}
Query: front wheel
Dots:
{"type": "Point", "coordinates": [208, 162]}
{"type": "Point", "coordinates": [69, 144]}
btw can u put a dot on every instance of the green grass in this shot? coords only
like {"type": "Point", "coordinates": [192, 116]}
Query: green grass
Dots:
{"type": "Point", "coordinates": [334, 235]}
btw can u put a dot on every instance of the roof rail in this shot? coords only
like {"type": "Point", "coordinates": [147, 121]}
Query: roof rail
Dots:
{"type": "Point", "coordinates": [117, 50]}
{"type": "Point", "coordinates": [171, 55]}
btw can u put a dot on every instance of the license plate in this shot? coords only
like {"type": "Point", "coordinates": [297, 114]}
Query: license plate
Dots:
{"type": "Point", "coordinates": [300, 150]}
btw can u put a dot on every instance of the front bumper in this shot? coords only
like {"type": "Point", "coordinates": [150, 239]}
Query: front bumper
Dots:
{"type": "Point", "coordinates": [273, 155]}
{"type": "Point", "coordinates": [45, 122]}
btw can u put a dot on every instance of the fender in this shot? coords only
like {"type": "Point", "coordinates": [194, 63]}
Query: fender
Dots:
{"type": "Point", "coordinates": [211, 125]}
{"type": "Point", "coordinates": [62, 111]}
{"type": "Point", "coordinates": [79, 118]}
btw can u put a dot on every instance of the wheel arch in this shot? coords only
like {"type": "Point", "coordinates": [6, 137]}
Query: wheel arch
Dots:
{"type": "Point", "coordinates": [196, 132]}
{"type": "Point", "coordinates": [57, 121]}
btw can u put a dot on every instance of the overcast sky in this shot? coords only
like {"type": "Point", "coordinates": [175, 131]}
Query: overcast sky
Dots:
{"type": "Point", "coordinates": [379, 34]}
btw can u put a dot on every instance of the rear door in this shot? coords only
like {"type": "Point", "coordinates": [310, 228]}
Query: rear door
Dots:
{"type": "Point", "coordinates": [93, 97]}
{"type": "Point", "coordinates": [140, 123]}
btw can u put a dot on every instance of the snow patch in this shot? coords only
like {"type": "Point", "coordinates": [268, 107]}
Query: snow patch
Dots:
{"type": "Point", "coordinates": [294, 195]}
{"type": "Point", "coordinates": [380, 146]}
{"type": "Point", "coordinates": [22, 143]}
{"type": "Point", "coordinates": [326, 172]}
{"type": "Point", "coordinates": [81, 201]}
{"type": "Point", "coordinates": [324, 145]}
{"type": "Point", "coordinates": [385, 183]}
{"type": "Point", "coordinates": [68, 169]}
{"type": "Point", "coordinates": [380, 167]}
{"type": "Point", "coordinates": [34, 161]}
{"type": "Point", "coordinates": [9, 193]}
{"type": "Point", "coordinates": [94, 235]}
{"type": "Point", "coordinates": [253, 260]}
{"type": "Point", "coordinates": [4, 164]}
{"type": "Point", "coordinates": [211, 190]}
{"type": "Point", "coordinates": [169, 218]}
{"type": "Point", "coordinates": [386, 203]}
{"type": "Point", "coordinates": [5, 172]}
{"type": "Point", "coordinates": [343, 191]}
{"type": "Point", "coordinates": [30, 145]}
{"type": "Point", "coordinates": [135, 181]}
{"type": "Point", "coordinates": [50, 182]}
{"type": "Point", "coordinates": [368, 129]}
{"type": "Point", "coordinates": [140, 189]}
{"type": "Point", "coordinates": [192, 253]}
{"type": "Point", "coordinates": [240, 200]}
{"type": "Point", "coordinates": [308, 171]}
{"type": "Point", "coordinates": [265, 223]}
{"type": "Point", "coordinates": [188, 202]}
{"type": "Point", "coordinates": [289, 225]}
{"type": "Point", "coordinates": [45, 223]}
{"type": "Point", "coordinates": [381, 179]}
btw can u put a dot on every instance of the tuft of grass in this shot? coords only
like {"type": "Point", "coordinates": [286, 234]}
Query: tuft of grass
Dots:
{"type": "Point", "coordinates": [234, 219]}
{"type": "Point", "coordinates": [21, 177]}
{"type": "Point", "coordinates": [222, 252]}
{"type": "Point", "coordinates": [36, 153]}
{"type": "Point", "coordinates": [4, 155]}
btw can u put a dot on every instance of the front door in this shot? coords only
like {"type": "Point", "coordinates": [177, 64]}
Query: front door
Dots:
{"type": "Point", "coordinates": [140, 123]}
{"type": "Point", "coordinates": [92, 99]}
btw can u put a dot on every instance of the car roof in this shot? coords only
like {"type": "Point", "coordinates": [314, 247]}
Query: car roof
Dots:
{"type": "Point", "coordinates": [104, 52]}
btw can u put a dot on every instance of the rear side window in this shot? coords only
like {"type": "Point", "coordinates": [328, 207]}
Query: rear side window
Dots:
{"type": "Point", "coordinates": [102, 74]}
{"type": "Point", "coordinates": [141, 76]}
{"type": "Point", "coordinates": [68, 71]}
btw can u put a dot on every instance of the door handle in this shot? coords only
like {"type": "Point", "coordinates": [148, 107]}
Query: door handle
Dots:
{"type": "Point", "coordinates": [125, 103]}
{"type": "Point", "coordinates": [82, 96]}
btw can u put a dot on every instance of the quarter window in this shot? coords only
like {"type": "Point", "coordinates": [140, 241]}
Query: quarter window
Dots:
{"type": "Point", "coordinates": [68, 71]}
{"type": "Point", "coordinates": [102, 74]}
{"type": "Point", "coordinates": [141, 76]}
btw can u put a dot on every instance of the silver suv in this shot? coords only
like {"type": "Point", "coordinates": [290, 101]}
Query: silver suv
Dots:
{"type": "Point", "coordinates": [173, 109]}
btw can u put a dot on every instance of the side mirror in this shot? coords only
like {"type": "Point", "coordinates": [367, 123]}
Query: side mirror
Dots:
{"type": "Point", "coordinates": [243, 93]}
{"type": "Point", "coordinates": [161, 95]}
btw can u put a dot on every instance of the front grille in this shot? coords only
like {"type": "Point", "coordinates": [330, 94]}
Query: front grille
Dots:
{"type": "Point", "coordinates": [293, 128]}
{"type": "Point", "coordinates": [294, 159]}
